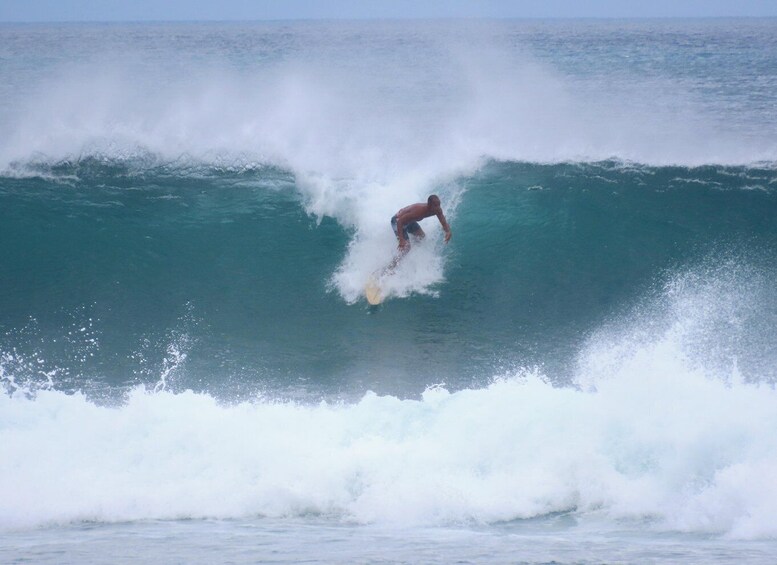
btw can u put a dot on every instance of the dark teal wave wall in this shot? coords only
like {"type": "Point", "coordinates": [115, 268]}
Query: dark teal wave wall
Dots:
{"type": "Point", "coordinates": [111, 273]}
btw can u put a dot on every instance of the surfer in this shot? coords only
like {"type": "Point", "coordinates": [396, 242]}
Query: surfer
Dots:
{"type": "Point", "coordinates": [405, 222]}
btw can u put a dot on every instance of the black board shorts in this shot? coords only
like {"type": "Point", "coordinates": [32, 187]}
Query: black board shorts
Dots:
{"type": "Point", "coordinates": [412, 227]}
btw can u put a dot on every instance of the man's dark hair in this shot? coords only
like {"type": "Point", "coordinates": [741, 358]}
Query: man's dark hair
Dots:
{"type": "Point", "coordinates": [433, 199]}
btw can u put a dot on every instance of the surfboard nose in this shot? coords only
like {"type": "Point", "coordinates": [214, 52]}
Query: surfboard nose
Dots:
{"type": "Point", "coordinates": [373, 292]}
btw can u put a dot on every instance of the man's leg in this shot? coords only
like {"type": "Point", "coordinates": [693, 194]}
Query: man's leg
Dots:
{"type": "Point", "coordinates": [416, 230]}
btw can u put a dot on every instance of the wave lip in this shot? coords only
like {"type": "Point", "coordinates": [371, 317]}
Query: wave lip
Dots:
{"type": "Point", "coordinates": [311, 98]}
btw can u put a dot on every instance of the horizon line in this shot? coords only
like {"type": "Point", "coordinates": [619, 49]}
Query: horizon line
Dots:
{"type": "Point", "coordinates": [384, 19]}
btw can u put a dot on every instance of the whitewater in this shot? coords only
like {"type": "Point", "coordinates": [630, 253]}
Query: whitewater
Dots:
{"type": "Point", "coordinates": [584, 374]}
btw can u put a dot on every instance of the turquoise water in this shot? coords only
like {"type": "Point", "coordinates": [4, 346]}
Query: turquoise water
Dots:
{"type": "Point", "coordinates": [585, 373]}
{"type": "Point", "coordinates": [229, 270]}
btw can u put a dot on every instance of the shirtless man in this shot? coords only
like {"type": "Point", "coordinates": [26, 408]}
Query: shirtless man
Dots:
{"type": "Point", "coordinates": [405, 222]}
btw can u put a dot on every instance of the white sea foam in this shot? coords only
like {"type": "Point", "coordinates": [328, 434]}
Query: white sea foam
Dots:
{"type": "Point", "coordinates": [659, 442]}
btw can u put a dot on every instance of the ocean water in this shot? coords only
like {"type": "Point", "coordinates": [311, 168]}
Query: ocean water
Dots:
{"type": "Point", "coordinates": [584, 374]}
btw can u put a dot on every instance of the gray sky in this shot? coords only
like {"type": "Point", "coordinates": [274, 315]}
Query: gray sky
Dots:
{"type": "Point", "coordinates": [139, 10]}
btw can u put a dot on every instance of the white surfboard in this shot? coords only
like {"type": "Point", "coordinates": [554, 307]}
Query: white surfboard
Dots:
{"type": "Point", "coordinates": [373, 291]}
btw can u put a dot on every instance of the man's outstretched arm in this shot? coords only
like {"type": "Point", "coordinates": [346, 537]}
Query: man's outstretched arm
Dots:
{"type": "Point", "coordinates": [444, 223]}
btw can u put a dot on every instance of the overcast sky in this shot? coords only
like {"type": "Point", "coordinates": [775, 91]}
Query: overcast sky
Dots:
{"type": "Point", "coordinates": [139, 10]}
